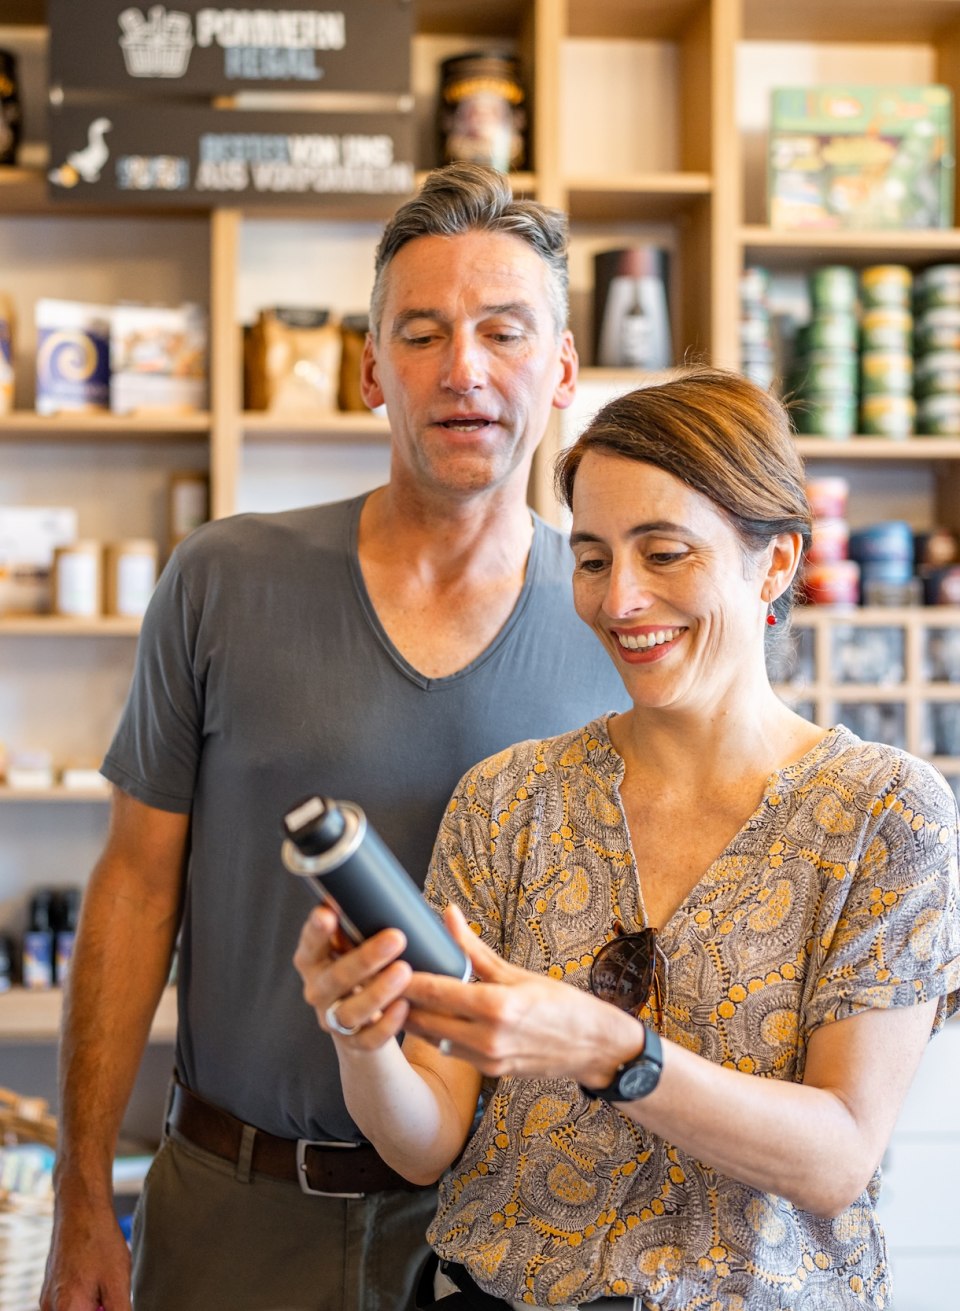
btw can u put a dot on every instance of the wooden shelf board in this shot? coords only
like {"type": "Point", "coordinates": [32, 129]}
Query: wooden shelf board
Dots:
{"type": "Point", "coordinates": [920, 616]}
{"type": "Point", "coordinates": [453, 18]}
{"type": "Point", "coordinates": [807, 246]}
{"type": "Point", "coordinates": [648, 20]}
{"type": "Point", "coordinates": [354, 427]}
{"type": "Point", "coordinates": [34, 1016]}
{"type": "Point", "coordinates": [859, 21]}
{"type": "Point", "coordinates": [879, 448]}
{"type": "Point", "coordinates": [57, 793]}
{"type": "Point", "coordinates": [63, 626]}
{"type": "Point", "coordinates": [104, 427]}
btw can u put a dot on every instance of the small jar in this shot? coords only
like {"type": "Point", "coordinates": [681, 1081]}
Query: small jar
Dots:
{"type": "Point", "coordinates": [76, 580]}
{"type": "Point", "coordinates": [481, 116]}
{"type": "Point", "coordinates": [131, 575]}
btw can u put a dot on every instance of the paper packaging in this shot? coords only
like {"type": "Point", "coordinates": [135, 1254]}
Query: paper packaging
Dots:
{"type": "Point", "coordinates": [293, 361]}
{"type": "Point", "coordinates": [73, 356]}
{"type": "Point", "coordinates": [29, 535]}
{"type": "Point", "coordinates": [158, 358]}
{"type": "Point", "coordinates": [851, 157]}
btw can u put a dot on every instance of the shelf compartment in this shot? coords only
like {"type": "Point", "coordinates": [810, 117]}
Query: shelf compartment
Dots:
{"type": "Point", "coordinates": [28, 1016]}
{"type": "Point", "coordinates": [639, 197]}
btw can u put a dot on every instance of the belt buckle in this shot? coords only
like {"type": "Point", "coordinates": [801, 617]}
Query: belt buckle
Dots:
{"type": "Point", "coordinates": [302, 1176]}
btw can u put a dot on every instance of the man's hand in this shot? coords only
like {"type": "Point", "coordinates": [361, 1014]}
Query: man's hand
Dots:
{"type": "Point", "coordinates": [89, 1265]}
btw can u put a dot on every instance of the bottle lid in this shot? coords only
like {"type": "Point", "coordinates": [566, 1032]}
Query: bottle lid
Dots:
{"type": "Point", "coordinates": [314, 825]}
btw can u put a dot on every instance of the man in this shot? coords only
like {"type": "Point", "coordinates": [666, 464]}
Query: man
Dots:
{"type": "Point", "coordinates": [370, 650]}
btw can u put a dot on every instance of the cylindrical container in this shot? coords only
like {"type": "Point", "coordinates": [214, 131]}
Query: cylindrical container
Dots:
{"type": "Point", "coordinates": [67, 917]}
{"type": "Point", "coordinates": [828, 332]}
{"type": "Point", "coordinates": [631, 320]}
{"type": "Point", "coordinates": [6, 962]}
{"type": "Point", "coordinates": [826, 416]}
{"type": "Point", "coordinates": [130, 568]}
{"type": "Point", "coordinates": [481, 115]}
{"type": "Point", "coordinates": [886, 284]}
{"type": "Point", "coordinates": [827, 497]}
{"type": "Point", "coordinates": [829, 538]}
{"type": "Point", "coordinates": [38, 942]}
{"type": "Point", "coordinates": [939, 416]}
{"type": "Point", "coordinates": [888, 416]}
{"type": "Point", "coordinates": [189, 498]}
{"type": "Point", "coordinates": [886, 329]}
{"type": "Point", "coordinates": [9, 108]}
{"type": "Point", "coordinates": [938, 373]}
{"type": "Point", "coordinates": [833, 288]}
{"type": "Point", "coordinates": [938, 285]}
{"type": "Point", "coordinates": [77, 579]}
{"type": "Point", "coordinates": [937, 330]}
{"type": "Point", "coordinates": [832, 584]}
{"type": "Point", "coordinates": [349, 867]}
{"type": "Point", "coordinates": [890, 540]}
{"type": "Point", "coordinates": [886, 373]}
{"type": "Point", "coordinates": [6, 354]}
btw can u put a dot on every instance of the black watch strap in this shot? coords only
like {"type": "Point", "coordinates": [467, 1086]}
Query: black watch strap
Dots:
{"type": "Point", "coordinates": [635, 1078]}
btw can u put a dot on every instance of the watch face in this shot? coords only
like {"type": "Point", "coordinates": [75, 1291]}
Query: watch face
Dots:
{"type": "Point", "coordinates": [637, 1080]}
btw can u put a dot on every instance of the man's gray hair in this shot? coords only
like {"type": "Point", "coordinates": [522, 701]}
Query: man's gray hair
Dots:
{"type": "Point", "coordinates": [461, 198]}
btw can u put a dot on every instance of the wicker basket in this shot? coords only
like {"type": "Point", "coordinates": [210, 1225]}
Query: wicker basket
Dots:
{"type": "Point", "coordinates": [26, 1218]}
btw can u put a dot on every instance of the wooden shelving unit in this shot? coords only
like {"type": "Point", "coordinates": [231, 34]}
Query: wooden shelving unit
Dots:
{"type": "Point", "coordinates": [673, 168]}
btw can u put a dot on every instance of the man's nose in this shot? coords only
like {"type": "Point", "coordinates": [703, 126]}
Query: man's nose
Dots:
{"type": "Point", "coordinates": [465, 368]}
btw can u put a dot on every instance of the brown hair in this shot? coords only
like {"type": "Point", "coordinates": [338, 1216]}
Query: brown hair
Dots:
{"type": "Point", "coordinates": [720, 434]}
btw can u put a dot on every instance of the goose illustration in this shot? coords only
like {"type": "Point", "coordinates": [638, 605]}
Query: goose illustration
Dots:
{"type": "Point", "coordinates": [85, 165]}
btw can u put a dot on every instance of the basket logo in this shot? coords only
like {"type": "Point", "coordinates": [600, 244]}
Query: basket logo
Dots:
{"type": "Point", "coordinates": [158, 45]}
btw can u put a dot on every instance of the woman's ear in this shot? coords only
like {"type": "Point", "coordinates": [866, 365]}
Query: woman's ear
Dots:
{"type": "Point", "coordinates": [786, 552]}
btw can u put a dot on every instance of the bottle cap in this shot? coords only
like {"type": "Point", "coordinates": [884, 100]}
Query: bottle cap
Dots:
{"type": "Point", "coordinates": [314, 825]}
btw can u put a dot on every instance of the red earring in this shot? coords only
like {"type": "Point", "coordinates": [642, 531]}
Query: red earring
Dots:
{"type": "Point", "coordinates": [771, 617]}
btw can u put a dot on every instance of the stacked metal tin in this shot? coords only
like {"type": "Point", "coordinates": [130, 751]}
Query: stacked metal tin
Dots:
{"type": "Point", "coordinates": [887, 406]}
{"type": "Point", "coordinates": [937, 370]}
{"type": "Point", "coordinates": [824, 377]}
{"type": "Point", "coordinates": [756, 336]}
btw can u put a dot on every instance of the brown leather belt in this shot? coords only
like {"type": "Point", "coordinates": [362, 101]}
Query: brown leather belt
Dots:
{"type": "Point", "coordinates": [328, 1169]}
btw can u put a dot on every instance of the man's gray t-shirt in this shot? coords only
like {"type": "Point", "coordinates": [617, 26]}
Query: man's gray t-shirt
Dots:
{"type": "Point", "coordinates": [264, 675]}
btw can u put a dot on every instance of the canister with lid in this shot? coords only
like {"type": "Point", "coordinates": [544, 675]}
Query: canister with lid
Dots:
{"type": "Point", "coordinates": [77, 584]}
{"type": "Point", "coordinates": [481, 115]}
{"type": "Point", "coordinates": [131, 574]}
{"type": "Point", "coordinates": [886, 285]}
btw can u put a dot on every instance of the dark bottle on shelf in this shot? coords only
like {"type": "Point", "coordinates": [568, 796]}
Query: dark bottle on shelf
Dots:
{"type": "Point", "coordinates": [9, 108]}
{"type": "Point", "coordinates": [67, 913]}
{"type": "Point", "coordinates": [38, 942]}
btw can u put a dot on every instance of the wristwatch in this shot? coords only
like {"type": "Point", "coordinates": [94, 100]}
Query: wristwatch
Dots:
{"type": "Point", "coordinates": [635, 1078]}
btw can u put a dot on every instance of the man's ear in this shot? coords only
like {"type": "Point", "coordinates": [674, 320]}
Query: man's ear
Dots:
{"type": "Point", "coordinates": [569, 368]}
{"type": "Point", "coordinates": [370, 388]}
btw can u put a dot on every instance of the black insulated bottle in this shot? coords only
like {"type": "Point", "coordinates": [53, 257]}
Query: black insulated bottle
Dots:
{"type": "Point", "coordinates": [332, 847]}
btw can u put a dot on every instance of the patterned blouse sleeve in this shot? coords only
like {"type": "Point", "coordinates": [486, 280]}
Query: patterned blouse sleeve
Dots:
{"type": "Point", "coordinates": [464, 868]}
{"type": "Point", "coordinates": [889, 934]}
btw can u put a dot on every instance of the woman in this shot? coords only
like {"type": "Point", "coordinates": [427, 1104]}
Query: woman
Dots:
{"type": "Point", "coordinates": [695, 1117]}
